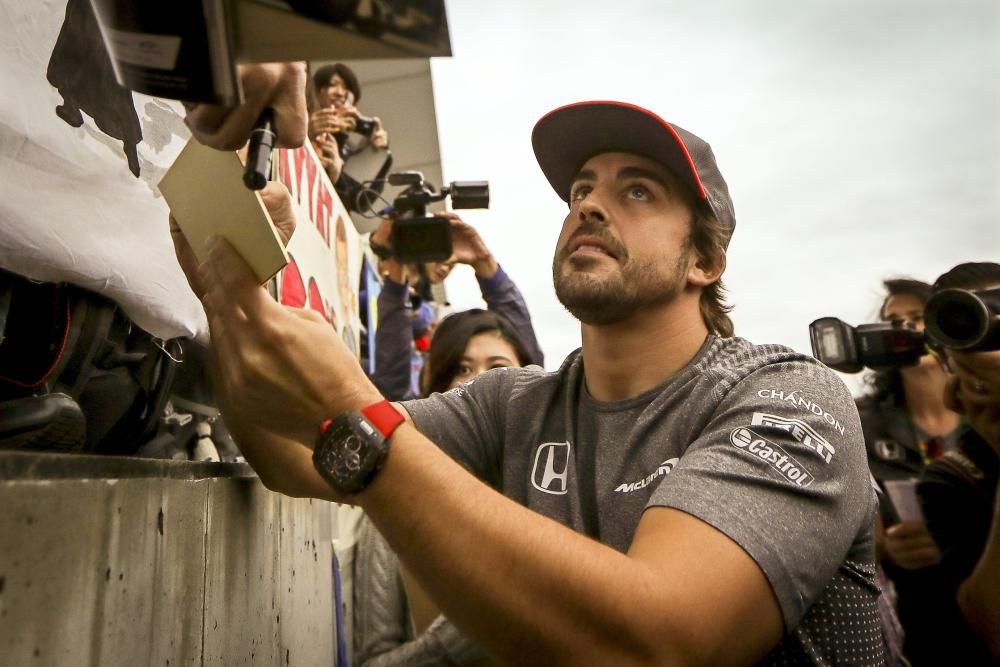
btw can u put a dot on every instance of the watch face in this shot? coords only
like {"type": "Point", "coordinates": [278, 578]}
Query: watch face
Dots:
{"type": "Point", "coordinates": [349, 453]}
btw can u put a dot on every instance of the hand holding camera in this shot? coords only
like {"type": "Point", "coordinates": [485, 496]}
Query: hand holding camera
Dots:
{"type": "Point", "coordinates": [468, 248]}
{"type": "Point", "coordinates": [416, 236]}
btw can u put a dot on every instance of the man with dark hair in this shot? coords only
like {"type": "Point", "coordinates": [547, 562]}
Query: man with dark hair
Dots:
{"type": "Point", "coordinates": [668, 496]}
{"type": "Point", "coordinates": [959, 495]}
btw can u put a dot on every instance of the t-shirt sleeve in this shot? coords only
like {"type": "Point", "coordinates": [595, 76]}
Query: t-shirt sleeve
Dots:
{"type": "Point", "coordinates": [467, 422]}
{"type": "Point", "coordinates": [781, 470]}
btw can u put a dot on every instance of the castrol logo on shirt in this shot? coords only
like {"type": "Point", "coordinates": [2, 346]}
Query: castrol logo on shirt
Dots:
{"type": "Point", "coordinates": [772, 454]}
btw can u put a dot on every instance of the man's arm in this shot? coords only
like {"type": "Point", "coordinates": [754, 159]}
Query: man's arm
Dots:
{"type": "Point", "coordinates": [519, 583]}
{"type": "Point", "coordinates": [527, 587]}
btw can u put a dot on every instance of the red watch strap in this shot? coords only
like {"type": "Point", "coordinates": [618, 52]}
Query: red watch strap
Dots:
{"type": "Point", "coordinates": [384, 417]}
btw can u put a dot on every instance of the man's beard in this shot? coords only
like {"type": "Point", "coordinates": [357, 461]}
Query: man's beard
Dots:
{"type": "Point", "coordinates": [608, 299]}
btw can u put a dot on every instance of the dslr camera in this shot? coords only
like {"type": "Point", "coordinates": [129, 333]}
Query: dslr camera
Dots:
{"type": "Point", "coordinates": [957, 319]}
{"type": "Point", "coordinates": [364, 125]}
{"type": "Point", "coordinates": [418, 236]}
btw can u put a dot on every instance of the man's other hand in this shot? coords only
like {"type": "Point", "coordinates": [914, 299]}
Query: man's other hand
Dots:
{"type": "Point", "coordinates": [286, 370]}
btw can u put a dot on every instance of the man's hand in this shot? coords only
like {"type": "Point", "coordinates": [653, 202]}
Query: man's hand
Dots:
{"type": "Point", "coordinates": [283, 370]}
{"type": "Point", "coordinates": [910, 546]}
{"type": "Point", "coordinates": [280, 86]}
{"type": "Point", "coordinates": [287, 368]}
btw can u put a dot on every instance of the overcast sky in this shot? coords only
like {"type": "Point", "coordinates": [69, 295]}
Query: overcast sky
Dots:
{"type": "Point", "coordinates": [860, 139]}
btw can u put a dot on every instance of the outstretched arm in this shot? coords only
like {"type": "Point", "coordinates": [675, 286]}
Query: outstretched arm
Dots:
{"type": "Point", "coordinates": [524, 586]}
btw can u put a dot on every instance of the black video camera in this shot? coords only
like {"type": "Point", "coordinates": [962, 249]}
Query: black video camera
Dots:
{"type": "Point", "coordinates": [964, 320]}
{"type": "Point", "coordinates": [954, 318]}
{"type": "Point", "coordinates": [418, 236]}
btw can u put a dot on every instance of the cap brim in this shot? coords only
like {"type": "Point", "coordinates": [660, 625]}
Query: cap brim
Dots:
{"type": "Point", "coordinates": [567, 137]}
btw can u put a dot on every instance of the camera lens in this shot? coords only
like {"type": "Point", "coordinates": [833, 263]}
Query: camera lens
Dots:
{"type": "Point", "coordinates": [956, 318]}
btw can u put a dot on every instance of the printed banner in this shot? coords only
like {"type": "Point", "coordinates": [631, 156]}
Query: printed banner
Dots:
{"type": "Point", "coordinates": [80, 158]}
{"type": "Point", "coordinates": [326, 251]}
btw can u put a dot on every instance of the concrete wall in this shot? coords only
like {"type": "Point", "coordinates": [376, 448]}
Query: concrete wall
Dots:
{"type": "Point", "coordinates": [137, 562]}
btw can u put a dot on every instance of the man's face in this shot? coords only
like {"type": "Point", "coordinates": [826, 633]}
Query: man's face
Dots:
{"type": "Point", "coordinates": [334, 94]}
{"type": "Point", "coordinates": [625, 243]}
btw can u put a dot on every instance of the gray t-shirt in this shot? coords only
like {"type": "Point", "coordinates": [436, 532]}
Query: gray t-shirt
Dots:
{"type": "Point", "coordinates": [761, 442]}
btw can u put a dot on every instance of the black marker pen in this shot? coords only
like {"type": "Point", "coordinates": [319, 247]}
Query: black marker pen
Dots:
{"type": "Point", "coordinates": [262, 140]}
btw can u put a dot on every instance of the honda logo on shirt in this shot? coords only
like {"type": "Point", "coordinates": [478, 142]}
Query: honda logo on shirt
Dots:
{"type": "Point", "coordinates": [551, 471]}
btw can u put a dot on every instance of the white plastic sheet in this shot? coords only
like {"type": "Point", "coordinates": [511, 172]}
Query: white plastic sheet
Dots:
{"type": "Point", "coordinates": [71, 208]}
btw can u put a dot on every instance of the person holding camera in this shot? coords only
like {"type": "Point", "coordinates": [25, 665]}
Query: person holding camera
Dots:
{"type": "Point", "coordinates": [671, 494]}
{"type": "Point", "coordinates": [394, 345]}
{"type": "Point", "coordinates": [906, 426]}
{"type": "Point", "coordinates": [959, 497]}
{"type": "Point", "coordinates": [338, 131]}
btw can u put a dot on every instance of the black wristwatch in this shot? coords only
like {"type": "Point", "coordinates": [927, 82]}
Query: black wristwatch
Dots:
{"type": "Point", "coordinates": [352, 447]}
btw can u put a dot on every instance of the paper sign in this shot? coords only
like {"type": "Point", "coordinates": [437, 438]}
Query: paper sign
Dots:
{"type": "Point", "coordinates": [206, 195]}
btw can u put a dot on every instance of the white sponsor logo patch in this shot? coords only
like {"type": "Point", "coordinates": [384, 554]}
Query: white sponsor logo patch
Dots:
{"type": "Point", "coordinates": [800, 401]}
{"type": "Point", "coordinates": [799, 430]}
{"type": "Point", "coordinates": [772, 454]}
{"type": "Point", "coordinates": [550, 473]}
{"type": "Point", "coordinates": [661, 471]}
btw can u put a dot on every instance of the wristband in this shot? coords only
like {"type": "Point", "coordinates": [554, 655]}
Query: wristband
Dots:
{"type": "Point", "coordinates": [383, 417]}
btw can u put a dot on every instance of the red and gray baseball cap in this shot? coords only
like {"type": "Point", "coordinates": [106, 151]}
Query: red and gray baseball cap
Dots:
{"type": "Point", "coordinates": [564, 139]}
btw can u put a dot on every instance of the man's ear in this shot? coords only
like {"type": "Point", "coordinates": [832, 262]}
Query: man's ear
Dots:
{"type": "Point", "coordinates": [702, 272]}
